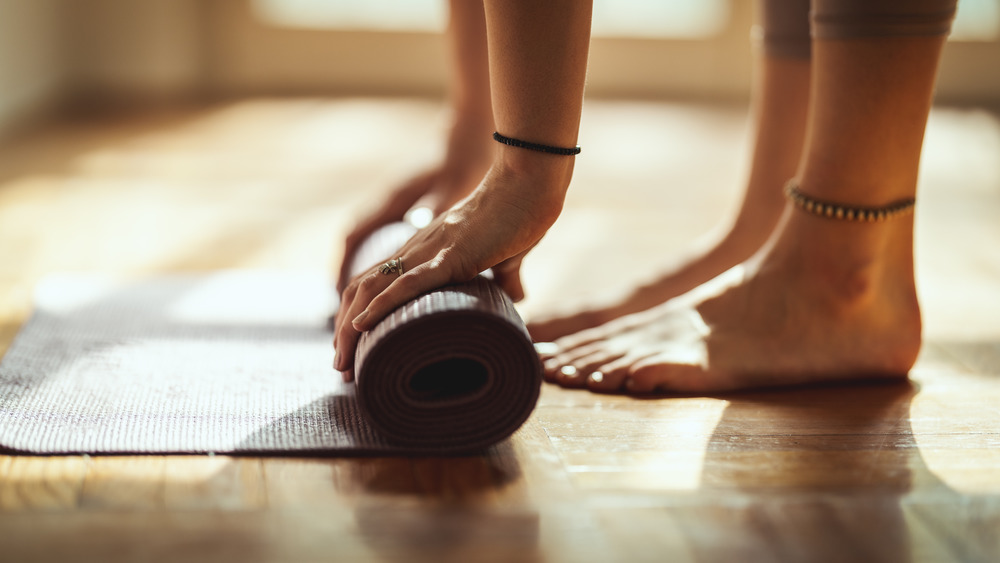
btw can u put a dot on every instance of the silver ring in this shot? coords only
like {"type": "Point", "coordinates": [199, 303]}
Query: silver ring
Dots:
{"type": "Point", "coordinates": [394, 265]}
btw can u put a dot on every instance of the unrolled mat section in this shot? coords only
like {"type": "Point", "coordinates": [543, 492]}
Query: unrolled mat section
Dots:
{"type": "Point", "coordinates": [239, 362]}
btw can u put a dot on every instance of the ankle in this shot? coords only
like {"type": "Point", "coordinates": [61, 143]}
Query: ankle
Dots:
{"type": "Point", "coordinates": [757, 220]}
{"type": "Point", "coordinates": [852, 266]}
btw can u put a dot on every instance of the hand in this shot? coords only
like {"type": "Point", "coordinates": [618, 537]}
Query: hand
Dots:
{"type": "Point", "coordinates": [390, 210]}
{"type": "Point", "coordinates": [466, 161]}
{"type": "Point", "coordinates": [494, 227]}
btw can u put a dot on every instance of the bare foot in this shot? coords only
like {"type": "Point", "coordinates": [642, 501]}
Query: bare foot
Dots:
{"type": "Point", "coordinates": [799, 312]}
{"type": "Point", "coordinates": [781, 91]}
{"type": "Point", "coordinates": [688, 273]}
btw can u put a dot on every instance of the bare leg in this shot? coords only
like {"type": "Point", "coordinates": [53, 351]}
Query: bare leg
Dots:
{"type": "Point", "coordinates": [781, 101]}
{"type": "Point", "coordinates": [826, 299]}
{"type": "Point", "coordinates": [469, 149]}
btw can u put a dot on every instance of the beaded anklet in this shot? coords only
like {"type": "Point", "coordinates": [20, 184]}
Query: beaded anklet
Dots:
{"type": "Point", "coordinates": [843, 212]}
{"type": "Point", "coordinates": [535, 146]}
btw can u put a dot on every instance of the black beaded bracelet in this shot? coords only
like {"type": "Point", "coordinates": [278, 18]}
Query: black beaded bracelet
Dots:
{"type": "Point", "coordinates": [534, 146]}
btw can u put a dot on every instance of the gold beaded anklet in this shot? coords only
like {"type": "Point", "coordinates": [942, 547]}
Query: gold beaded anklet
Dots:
{"type": "Point", "coordinates": [843, 212]}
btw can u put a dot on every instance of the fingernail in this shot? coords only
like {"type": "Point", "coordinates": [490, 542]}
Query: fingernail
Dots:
{"type": "Point", "coordinates": [359, 319]}
{"type": "Point", "coordinates": [568, 372]}
{"type": "Point", "coordinates": [629, 384]}
{"type": "Point", "coordinates": [337, 360]}
{"type": "Point", "coordinates": [346, 377]}
{"type": "Point", "coordinates": [596, 377]}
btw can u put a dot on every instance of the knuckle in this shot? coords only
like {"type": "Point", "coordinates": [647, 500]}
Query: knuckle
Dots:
{"type": "Point", "coordinates": [368, 282]}
{"type": "Point", "coordinates": [352, 289]}
{"type": "Point", "coordinates": [455, 265]}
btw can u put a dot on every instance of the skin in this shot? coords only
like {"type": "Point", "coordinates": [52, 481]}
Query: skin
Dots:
{"type": "Point", "coordinates": [824, 300]}
{"type": "Point", "coordinates": [537, 61]}
{"type": "Point", "coordinates": [469, 149]}
{"type": "Point", "coordinates": [781, 102]}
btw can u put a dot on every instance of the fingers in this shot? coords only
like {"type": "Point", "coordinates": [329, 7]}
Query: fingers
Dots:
{"type": "Point", "coordinates": [410, 285]}
{"type": "Point", "coordinates": [387, 214]}
{"type": "Point", "coordinates": [393, 209]}
{"type": "Point", "coordinates": [369, 299]}
{"type": "Point", "coordinates": [356, 297]}
{"type": "Point", "coordinates": [352, 242]}
{"type": "Point", "coordinates": [341, 362]}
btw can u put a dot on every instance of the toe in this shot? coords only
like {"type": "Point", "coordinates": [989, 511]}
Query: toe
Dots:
{"type": "Point", "coordinates": [655, 375]}
{"type": "Point", "coordinates": [583, 367]}
{"type": "Point", "coordinates": [570, 376]}
{"type": "Point", "coordinates": [546, 350]}
{"type": "Point", "coordinates": [580, 339]}
{"type": "Point", "coordinates": [595, 361]}
{"type": "Point", "coordinates": [641, 381]}
{"type": "Point", "coordinates": [606, 380]}
{"type": "Point", "coordinates": [601, 382]}
{"type": "Point", "coordinates": [615, 375]}
{"type": "Point", "coordinates": [568, 357]}
{"type": "Point", "coordinates": [550, 369]}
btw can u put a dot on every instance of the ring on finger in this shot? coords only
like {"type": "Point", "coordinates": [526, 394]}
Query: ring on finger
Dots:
{"type": "Point", "coordinates": [394, 265]}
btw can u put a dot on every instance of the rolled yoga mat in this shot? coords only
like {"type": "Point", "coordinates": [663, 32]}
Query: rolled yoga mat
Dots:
{"type": "Point", "coordinates": [452, 370]}
{"type": "Point", "coordinates": [239, 362]}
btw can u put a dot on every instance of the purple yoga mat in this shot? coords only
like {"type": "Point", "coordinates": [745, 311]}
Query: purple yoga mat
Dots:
{"type": "Point", "coordinates": [239, 362]}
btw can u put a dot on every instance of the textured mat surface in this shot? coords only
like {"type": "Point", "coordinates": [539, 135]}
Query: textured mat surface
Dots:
{"type": "Point", "coordinates": [229, 362]}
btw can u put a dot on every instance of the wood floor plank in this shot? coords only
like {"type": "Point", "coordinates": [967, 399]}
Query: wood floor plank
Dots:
{"type": "Point", "coordinates": [213, 483]}
{"type": "Point", "coordinates": [32, 483]}
{"type": "Point", "coordinates": [297, 482]}
{"type": "Point", "coordinates": [531, 471]}
{"type": "Point", "coordinates": [124, 483]}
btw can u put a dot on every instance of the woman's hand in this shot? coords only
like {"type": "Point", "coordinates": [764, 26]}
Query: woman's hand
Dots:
{"type": "Point", "coordinates": [491, 228]}
{"type": "Point", "coordinates": [468, 157]}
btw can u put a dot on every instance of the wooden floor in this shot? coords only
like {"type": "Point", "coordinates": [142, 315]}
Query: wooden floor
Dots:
{"type": "Point", "coordinates": [861, 473]}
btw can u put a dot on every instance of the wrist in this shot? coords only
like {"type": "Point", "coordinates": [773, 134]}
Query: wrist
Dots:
{"type": "Point", "coordinates": [550, 170]}
{"type": "Point", "coordinates": [539, 180]}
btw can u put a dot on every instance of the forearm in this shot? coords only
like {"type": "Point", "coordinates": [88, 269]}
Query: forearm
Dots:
{"type": "Point", "coordinates": [538, 65]}
{"type": "Point", "coordinates": [470, 80]}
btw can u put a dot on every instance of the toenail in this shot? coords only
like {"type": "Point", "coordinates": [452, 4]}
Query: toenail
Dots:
{"type": "Point", "coordinates": [568, 371]}
{"type": "Point", "coordinates": [546, 348]}
{"type": "Point", "coordinates": [597, 377]}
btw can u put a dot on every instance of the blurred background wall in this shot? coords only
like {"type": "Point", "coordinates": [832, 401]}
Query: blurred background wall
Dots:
{"type": "Point", "coordinates": [58, 55]}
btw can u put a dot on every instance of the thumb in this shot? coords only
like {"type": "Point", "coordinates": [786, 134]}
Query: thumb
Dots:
{"type": "Point", "coordinates": [508, 276]}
